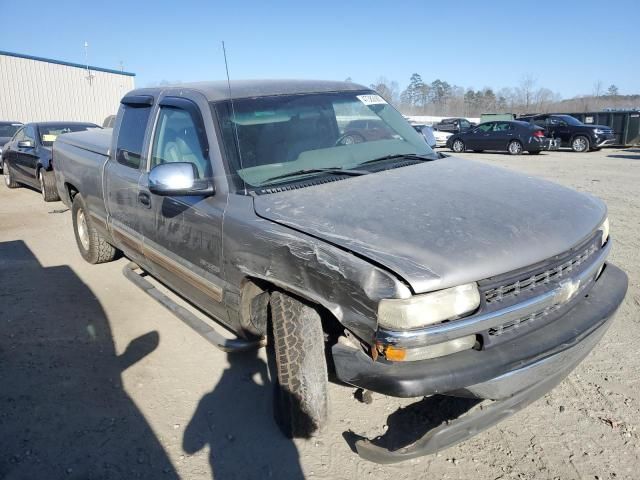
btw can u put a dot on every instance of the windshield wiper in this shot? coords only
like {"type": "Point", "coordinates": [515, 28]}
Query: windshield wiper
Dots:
{"type": "Point", "coordinates": [305, 171]}
{"type": "Point", "coordinates": [408, 156]}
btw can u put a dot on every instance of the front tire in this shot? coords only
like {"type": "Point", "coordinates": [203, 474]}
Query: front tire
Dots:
{"type": "Point", "coordinates": [580, 144]}
{"type": "Point", "coordinates": [458, 146]}
{"type": "Point", "coordinates": [514, 147]}
{"type": "Point", "coordinates": [8, 176]}
{"type": "Point", "coordinates": [48, 186]}
{"type": "Point", "coordinates": [298, 366]}
{"type": "Point", "coordinates": [93, 247]}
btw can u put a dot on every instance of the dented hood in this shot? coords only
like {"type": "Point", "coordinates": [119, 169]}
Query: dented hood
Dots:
{"type": "Point", "coordinates": [441, 223]}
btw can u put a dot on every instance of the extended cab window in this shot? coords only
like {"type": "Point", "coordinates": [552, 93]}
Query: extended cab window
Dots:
{"type": "Point", "coordinates": [131, 135]}
{"type": "Point", "coordinates": [176, 140]}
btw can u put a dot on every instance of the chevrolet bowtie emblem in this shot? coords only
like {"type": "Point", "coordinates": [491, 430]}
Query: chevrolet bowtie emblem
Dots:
{"type": "Point", "coordinates": [567, 290]}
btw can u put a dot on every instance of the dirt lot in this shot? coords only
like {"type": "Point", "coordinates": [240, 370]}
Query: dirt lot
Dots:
{"type": "Point", "coordinates": [98, 381]}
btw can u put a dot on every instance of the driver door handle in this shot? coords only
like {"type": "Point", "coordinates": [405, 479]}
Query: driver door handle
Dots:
{"type": "Point", "coordinates": [145, 199]}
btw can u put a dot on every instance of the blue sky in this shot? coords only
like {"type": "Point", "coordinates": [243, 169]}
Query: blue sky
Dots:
{"type": "Point", "coordinates": [566, 45]}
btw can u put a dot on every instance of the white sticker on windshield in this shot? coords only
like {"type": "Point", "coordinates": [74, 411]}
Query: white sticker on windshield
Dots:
{"type": "Point", "coordinates": [371, 99]}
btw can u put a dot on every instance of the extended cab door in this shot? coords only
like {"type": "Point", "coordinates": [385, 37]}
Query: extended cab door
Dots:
{"type": "Point", "coordinates": [183, 233]}
{"type": "Point", "coordinates": [125, 208]}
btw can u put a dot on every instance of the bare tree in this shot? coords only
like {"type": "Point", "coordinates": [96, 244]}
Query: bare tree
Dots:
{"type": "Point", "coordinates": [527, 84]}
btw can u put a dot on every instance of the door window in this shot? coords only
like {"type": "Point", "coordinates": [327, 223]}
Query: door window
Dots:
{"type": "Point", "coordinates": [131, 135]}
{"type": "Point", "coordinates": [485, 127]}
{"type": "Point", "coordinates": [19, 136]}
{"type": "Point", "coordinates": [30, 133]}
{"type": "Point", "coordinates": [176, 140]}
{"type": "Point", "coordinates": [502, 127]}
{"type": "Point", "coordinates": [556, 122]}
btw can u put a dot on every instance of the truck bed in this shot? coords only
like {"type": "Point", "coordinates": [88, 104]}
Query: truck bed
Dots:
{"type": "Point", "coordinates": [78, 161]}
{"type": "Point", "coordinates": [96, 140]}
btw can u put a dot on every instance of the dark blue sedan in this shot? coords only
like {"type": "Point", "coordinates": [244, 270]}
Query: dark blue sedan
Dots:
{"type": "Point", "coordinates": [513, 137]}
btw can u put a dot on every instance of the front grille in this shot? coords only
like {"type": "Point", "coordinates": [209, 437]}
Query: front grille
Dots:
{"type": "Point", "coordinates": [540, 278]}
{"type": "Point", "coordinates": [510, 289]}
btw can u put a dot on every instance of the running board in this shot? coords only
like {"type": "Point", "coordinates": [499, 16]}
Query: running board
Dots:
{"type": "Point", "coordinates": [204, 329]}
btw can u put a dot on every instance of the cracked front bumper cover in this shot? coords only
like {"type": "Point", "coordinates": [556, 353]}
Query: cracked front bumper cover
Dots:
{"type": "Point", "coordinates": [516, 380]}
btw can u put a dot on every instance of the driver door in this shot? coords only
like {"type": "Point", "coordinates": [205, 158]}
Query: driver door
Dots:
{"type": "Point", "coordinates": [183, 234]}
{"type": "Point", "coordinates": [479, 138]}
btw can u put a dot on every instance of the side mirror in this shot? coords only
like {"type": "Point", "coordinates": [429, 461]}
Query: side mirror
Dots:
{"type": "Point", "coordinates": [179, 178]}
{"type": "Point", "coordinates": [25, 144]}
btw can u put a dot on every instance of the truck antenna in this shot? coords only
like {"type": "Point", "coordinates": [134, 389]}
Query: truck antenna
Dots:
{"type": "Point", "coordinates": [233, 110]}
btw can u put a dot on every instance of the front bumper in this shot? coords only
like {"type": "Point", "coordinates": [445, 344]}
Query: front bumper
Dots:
{"type": "Point", "coordinates": [604, 140]}
{"type": "Point", "coordinates": [516, 373]}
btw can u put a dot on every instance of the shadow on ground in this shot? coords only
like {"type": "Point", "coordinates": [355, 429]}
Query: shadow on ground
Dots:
{"type": "Point", "coordinates": [628, 154]}
{"type": "Point", "coordinates": [408, 424]}
{"type": "Point", "coordinates": [235, 420]}
{"type": "Point", "coordinates": [63, 410]}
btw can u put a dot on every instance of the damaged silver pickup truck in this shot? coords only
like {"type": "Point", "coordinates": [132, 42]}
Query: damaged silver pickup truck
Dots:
{"type": "Point", "coordinates": [311, 217]}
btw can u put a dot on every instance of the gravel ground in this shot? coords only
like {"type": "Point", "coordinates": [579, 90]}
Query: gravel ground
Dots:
{"type": "Point", "coordinates": [98, 381]}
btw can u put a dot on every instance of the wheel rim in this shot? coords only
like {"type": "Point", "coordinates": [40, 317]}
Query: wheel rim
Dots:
{"type": "Point", "coordinates": [514, 147]}
{"type": "Point", "coordinates": [83, 230]}
{"type": "Point", "coordinates": [457, 146]}
{"type": "Point", "coordinates": [41, 179]}
{"type": "Point", "coordinates": [348, 140]}
{"type": "Point", "coordinates": [579, 144]}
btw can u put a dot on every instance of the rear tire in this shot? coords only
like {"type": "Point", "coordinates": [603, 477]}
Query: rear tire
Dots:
{"type": "Point", "coordinates": [514, 147]}
{"type": "Point", "coordinates": [93, 247]}
{"type": "Point", "coordinates": [458, 146]}
{"type": "Point", "coordinates": [8, 176]}
{"type": "Point", "coordinates": [298, 366]}
{"type": "Point", "coordinates": [48, 186]}
{"type": "Point", "coordinates": [580, 144]}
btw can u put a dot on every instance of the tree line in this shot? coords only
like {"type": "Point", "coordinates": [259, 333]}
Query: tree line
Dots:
{"type": "Point", "coordinates": [440, 98]}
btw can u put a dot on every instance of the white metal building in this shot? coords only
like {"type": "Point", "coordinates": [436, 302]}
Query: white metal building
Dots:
{"type": "Point", "coordinates": [37, 89]}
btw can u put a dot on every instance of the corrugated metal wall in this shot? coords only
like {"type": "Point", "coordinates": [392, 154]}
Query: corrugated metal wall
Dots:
{"type": "Point", "coordinates": [34, 90]}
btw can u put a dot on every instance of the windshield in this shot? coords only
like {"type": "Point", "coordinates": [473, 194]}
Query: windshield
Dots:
{"type": "Point", "coordinates": [267, 137]}
{"type": "Point", "coordinates": [49, 133]}
{"type": "Point", "coordinates": [570, 120]}
{"type": "Point", "coordinates": [9, 130]}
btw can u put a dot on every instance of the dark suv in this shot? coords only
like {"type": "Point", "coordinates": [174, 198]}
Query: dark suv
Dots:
{"type": "Point", "coordinates": [572, 132]}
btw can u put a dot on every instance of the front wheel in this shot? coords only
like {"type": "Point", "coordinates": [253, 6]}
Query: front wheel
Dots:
{"type": "Point", "coordinates": [93, 247]}
{"type": "Point", "coordinates": [8, 176]}
{"type": "Point", "coordinates": [48, 186]}
{"type": "Point", "coordinates": [580, 144]}
{"type": "Point", "coordinates": [298, 366]}
{"type": "Point", "coordinates": [458, 146]}
{"type": "Point", "coordinates": [515, 147]}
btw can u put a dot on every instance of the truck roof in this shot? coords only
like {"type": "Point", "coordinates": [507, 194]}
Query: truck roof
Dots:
{"type": "Point", "coordinates": [219, 90]}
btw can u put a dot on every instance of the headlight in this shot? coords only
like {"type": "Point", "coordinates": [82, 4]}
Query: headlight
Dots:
{"type": "Point", "coordinates": [605, 230]}
{"type": "Point", "coordinates": [598, 131]}
{"type": "Point", "coordinates": [428, 308]}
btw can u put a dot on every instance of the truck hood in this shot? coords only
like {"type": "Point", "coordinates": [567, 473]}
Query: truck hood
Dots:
{"type": "Point", "coordinates": [442, 223]}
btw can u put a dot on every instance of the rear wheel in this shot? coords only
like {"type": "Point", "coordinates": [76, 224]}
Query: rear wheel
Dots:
{"type": "Point", "coordinates": [48, 186]}
{"type": "Point", "coordinates": [93, 247]}
{"type": "Point", "coordinates": [298, 366]}
{"type": "Point", "coordinates": [458, 146]}
{"type": "Point", "coordinates": [515, 147]}
{"type": "Point", "coordinates": [8, 176]}
{"type": "Point", "coordinates": [580, 144]}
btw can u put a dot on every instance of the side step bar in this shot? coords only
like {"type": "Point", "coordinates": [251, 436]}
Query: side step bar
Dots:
{"type": "Point", "coordinates": [201, 327]}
